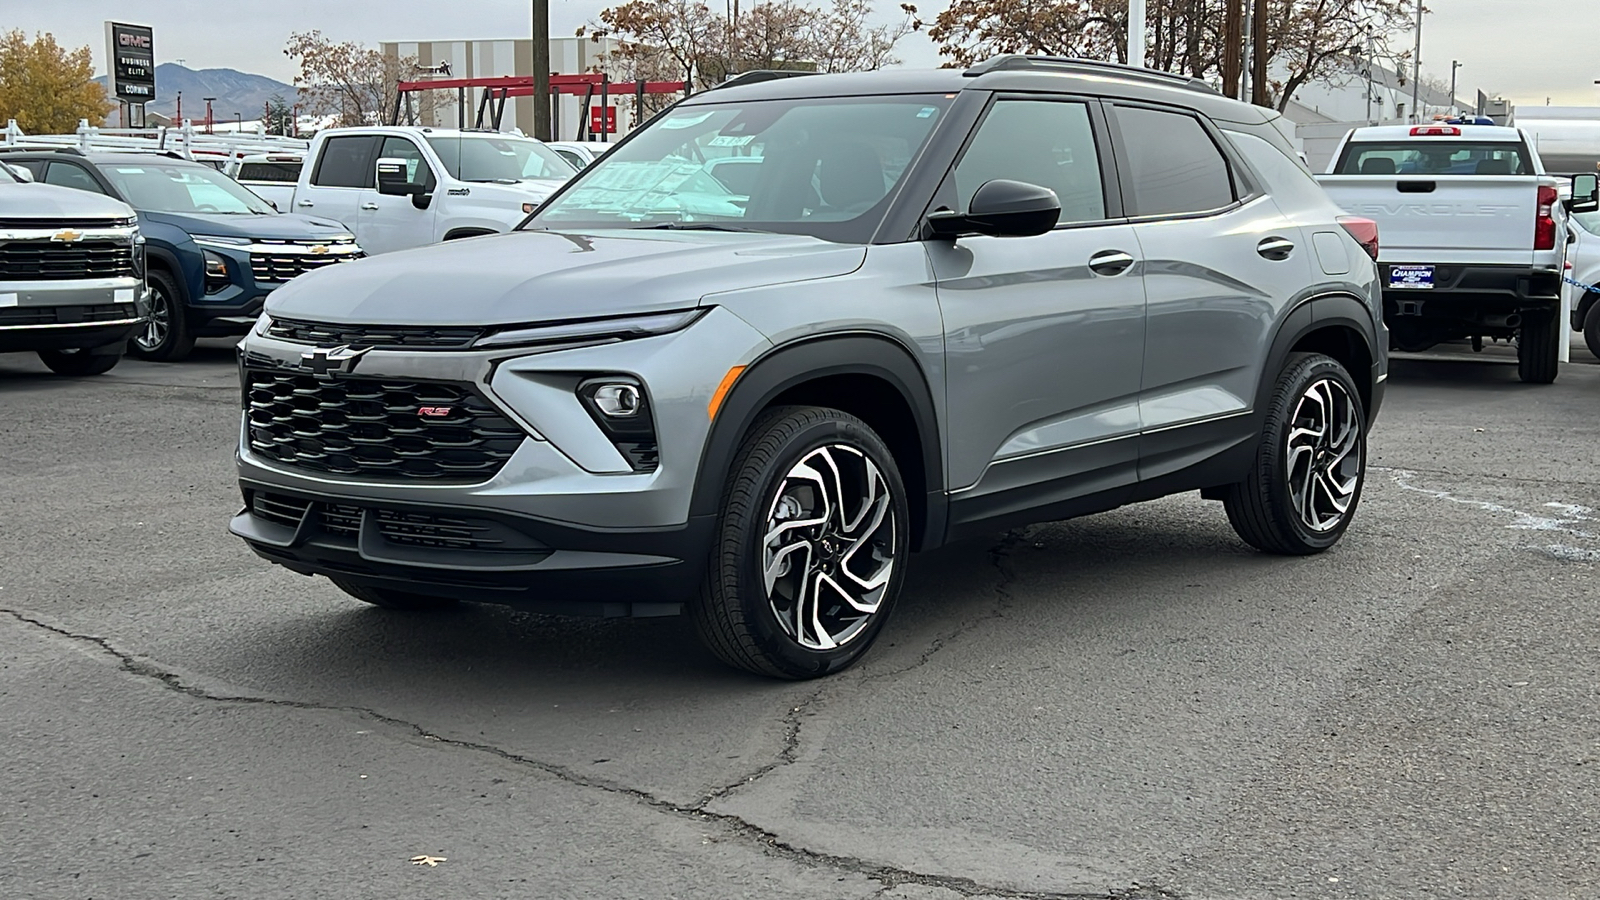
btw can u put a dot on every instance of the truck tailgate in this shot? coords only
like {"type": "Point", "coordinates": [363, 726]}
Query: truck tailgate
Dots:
{"type": "Point", "coordinates": [1485, 219]}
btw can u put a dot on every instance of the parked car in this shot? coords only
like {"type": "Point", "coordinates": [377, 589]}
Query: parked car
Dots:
{"type": "Point", "coordinates": [72, 284]}
{"type": "Point", "coordinates": [444, 184]}
{"type": "Point", "coordinates": [1583, 253]}
{"type": "Point", "coordinates": [215, 249]}
{"type": "Point", "coordinates": [270, 176]}
{"type": "Point", "coordinates": [951, 302]}
{"type": "Point", "coordinates": [1474, 236]}
{"type": "Point", "coordinates": [579, 153]}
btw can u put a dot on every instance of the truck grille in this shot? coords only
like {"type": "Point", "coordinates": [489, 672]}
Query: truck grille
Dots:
{"type": "Point", "coordinates": [412, 529]}
{"type": "Point", "coordinates": [66, 315]}
{"type": "Point", "coordinates": [438, 337]}
{"type": "Point", "coordinates": [277, 268]}
{"type": "Point", "coordinates": [58, 261]}
{"type": "Point", "coordinates": [373, 427]}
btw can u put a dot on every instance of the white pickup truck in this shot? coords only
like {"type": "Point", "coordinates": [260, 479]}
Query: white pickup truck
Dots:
{"type": "Point", "coordinates": [1473, 237]}
{"type": "Point", "coordinates": [403, 186]}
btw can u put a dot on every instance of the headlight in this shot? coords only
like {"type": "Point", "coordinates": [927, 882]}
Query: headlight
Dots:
{"type": "Point", "coordinates": [220, 242]}
{"type": "Point", "coordinates": [617, 329]}
{"type": "Point", "coordinates": [216, 272]}
{"type": "Point", "coordinates": [263, 322]}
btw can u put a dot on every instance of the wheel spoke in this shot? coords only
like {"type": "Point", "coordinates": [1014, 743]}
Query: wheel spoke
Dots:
{"type": "Point", "coordinates": [1324, 441]}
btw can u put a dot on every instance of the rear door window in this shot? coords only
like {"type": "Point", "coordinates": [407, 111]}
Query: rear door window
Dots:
{"type": "Point", "coordinates": [1435, 157]}
{"type": "Point", "coordinates": [1175, 166]}
{"type": "Point", "coordinates": [346, 162]}
{"type": "Point", "coordinates": [270, 171]}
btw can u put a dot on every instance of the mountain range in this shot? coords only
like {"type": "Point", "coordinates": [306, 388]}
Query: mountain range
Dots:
{"type": "Point", "coordinates": [235, 92]}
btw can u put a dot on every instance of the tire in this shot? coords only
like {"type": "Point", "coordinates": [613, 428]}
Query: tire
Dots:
{"type": "Point", "coordinates": [166, 336]}
{"type": "Point", "coordinates": [79, 362]}
{"type": "Point", "coordinates": [392, 599]}
{"type": "Point", "coordinates": [1539, 347]}
{"type": "Point", "coordinates": [770, 522]}
{"type": "Point", "coordinates": [1591, 329]}
{"type": "Point", "coordinates": [1269, 509]}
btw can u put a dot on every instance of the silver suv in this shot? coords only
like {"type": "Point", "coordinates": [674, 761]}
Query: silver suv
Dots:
{"type": "Point", "coordinates": [938, 304]}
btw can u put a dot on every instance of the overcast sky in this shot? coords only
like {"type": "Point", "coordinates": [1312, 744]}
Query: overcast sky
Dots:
{"type": "Point", "coordinates": [1525, 50]}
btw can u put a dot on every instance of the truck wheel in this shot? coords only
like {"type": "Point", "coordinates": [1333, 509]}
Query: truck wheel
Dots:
{"type": "Point", "coordinates": [1539, 347]}
{"type": "Point", "coordinates": [165, 336]}
{"type": "Point", "coordinates": [1591, 329]}
{"type": "Point", "coordinates": [811, 546]}
{"type": "Point", "coordinates": [1310, 465]}
{"type": "Point", "coordinates": [392, 599]}
{"type": "Point", "coordinates": [79, 362]}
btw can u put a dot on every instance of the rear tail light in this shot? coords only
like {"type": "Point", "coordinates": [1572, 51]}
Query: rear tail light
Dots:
{"type": "Point", "coordinates": [1436, 131]}
{"type": "Point", "coordinates": [1365, 231]}
{"type": "Point", "coordinates": [1544, 226]}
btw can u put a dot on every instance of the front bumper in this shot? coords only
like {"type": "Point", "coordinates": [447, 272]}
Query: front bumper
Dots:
{"type": "Point", "coordinates": [580, 530]}
{"type": "Point", "coordinates": [70, 315]}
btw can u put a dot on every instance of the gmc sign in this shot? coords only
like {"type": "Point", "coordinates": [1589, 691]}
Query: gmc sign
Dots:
{"type": "Point", "coordinates": [131, 60]}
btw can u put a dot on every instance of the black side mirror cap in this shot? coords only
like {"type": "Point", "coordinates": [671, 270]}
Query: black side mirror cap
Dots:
{"type": "Point", "coordinates": [393, 180]}
{"type": "Point", "coordinates": [1585, 194]}
{"type": "Point", "coordinates": [1001, 208]}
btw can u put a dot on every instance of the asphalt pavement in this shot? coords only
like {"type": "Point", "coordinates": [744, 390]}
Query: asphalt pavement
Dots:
{"type": "Point", "coordinates": [1133, 704]}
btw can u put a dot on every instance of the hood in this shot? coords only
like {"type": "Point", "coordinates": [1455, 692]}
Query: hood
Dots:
{"type": "Point", "coordinates": [46, 201]}
{"type": "Point", "coordinates": [538, 276]}
{"type": "Point", "coordinates": [264, 227]}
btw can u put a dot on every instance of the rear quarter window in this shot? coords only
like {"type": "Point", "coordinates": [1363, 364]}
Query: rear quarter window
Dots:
{"type": "Point", "coordinates": [274, 172]}
{"type": "Point", "coordinates": [1433, 157]}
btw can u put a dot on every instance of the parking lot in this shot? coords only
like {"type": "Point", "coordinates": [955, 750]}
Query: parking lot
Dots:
{"type": "Point", "coordinates": [1132, 704]}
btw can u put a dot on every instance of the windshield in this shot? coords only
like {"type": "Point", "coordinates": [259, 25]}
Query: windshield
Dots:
{"type": "Point", "coordinates": [1588, 221]}
{"type": "Point", "coordinates": [820, 166]}
{"type": "Point", "coordinates": [505, 159]}
{"type": "Point", "coordinates": [182, 188]}
{"type": "Point", "coordinates": [1435, 158]}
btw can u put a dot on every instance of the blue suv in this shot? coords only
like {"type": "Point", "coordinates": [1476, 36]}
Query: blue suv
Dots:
{"type": "Point", "coordinates": [216, 250]}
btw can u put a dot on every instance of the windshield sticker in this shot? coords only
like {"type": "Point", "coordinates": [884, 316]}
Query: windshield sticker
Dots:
{"type": "Point", "coordinates": [686, 121]}
{"type": "Point", "coordinates": [122, 171]}
{"type": "Point", "coordinates": [927, 112]}
{"type": "Point", "coordinates": [730, 140]}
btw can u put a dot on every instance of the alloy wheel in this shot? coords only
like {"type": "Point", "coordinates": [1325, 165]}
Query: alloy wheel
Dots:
{"type": "Point", "coordinates": [1324, 458]}
{"type": "Point", "coordinates": [831, 547]}
{"type": "Point", "coordinates": [159, 324]}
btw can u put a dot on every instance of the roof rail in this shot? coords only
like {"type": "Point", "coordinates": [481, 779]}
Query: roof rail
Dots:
{"type": "Point", "coordinates": [755, 76]}
{"type": "Point", "coordinates": [1010, 61]}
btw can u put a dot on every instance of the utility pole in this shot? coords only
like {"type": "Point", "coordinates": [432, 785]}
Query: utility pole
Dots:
{"type": "Point", "coordinates": [541, 71]}
{"type": "Point", "coordinates": [1244, 58]}
{"type": "Point", "coordinates": [1232, 51]}
{"type": "Point", "coordinates": [1258, 58]}
{"type": "Point", "coordinates": [1454, 65]}
{"type": "Point", "coordinates": [1136, 33]}
{"type": "Point", "coordinates": [1416, 70]}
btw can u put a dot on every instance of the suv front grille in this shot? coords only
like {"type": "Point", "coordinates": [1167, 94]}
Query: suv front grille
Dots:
{"type": "Point", "coordinates": [372, 427]}
{"type": "Point", "coordinates": [277, 268]}
{"type": "Point", "coordinates": [59, 261]}
{"type": "Point", "coordinates": [66, 315]}
{"type": "Point", "coordinates": [406, 528]}
{"type": "Point", "coordinates": [438, 337]}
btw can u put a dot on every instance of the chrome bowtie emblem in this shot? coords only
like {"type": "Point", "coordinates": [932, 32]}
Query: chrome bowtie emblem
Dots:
{"type": "Point", "coordinates": [326, 362]}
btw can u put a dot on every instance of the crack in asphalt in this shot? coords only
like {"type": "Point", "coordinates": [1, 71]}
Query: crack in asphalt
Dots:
{"type": "Point", "coordinates": [787, 753]}
{"type": "Point", "coordinates": [888, 876]}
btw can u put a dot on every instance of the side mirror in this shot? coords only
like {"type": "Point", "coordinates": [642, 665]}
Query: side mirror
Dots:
{"type": "Point", "coordinates": [1001, 208]}
{"type": "Point", "coordinates": [1585, 194]}
{"type": "Point", "coordinates": [23, 173]}
{"type": "Point", "coordinates": [394, 178]}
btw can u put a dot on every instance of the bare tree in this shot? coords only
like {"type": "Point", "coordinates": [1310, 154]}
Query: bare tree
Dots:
{"type": "Point", "coordinates": [355, 82]}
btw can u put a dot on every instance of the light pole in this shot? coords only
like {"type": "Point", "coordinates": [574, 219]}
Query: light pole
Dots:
{"type": "Point", "coordinates": [1416, 69]}
{"type": "Point", "coordinates": [1136, 33]}
{"type": "Point", "coordinates": [1454, 65]}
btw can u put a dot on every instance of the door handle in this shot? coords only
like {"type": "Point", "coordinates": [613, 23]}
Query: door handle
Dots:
{"type": "Point", "coordinates": [369, 206]}
{"type": "Point", "coordinates": [1110, 262]}
{"type": "Point", "coordinates": [305, 203]}
{"type": "Point", "coordinates": [1275, 248]}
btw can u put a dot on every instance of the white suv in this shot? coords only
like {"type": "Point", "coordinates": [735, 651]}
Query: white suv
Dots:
{"type": "Point", "coordinates": [440, 184]}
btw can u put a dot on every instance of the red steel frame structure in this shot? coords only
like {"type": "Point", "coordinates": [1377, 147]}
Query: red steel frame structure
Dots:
{"type": "Point", "coordinates": [497, 89]}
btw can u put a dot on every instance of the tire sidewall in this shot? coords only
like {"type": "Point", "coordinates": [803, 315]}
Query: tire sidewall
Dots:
{"type": "Point", "coordinates": [1298, 379]}
{"type": "Point", "coordinates": [1591, 329]}
{"type": "Point", "coordinates": [168, 289]}
{"type": "Point", "coordinates": [784, 651]}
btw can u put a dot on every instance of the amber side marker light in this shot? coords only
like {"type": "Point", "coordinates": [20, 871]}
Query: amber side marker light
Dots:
{"type": "Point", "coordinates": [722, 391]}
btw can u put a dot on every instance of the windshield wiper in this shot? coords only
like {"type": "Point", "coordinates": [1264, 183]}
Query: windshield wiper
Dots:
{"type": "Point", "coordinates": [693, 226]}
{"type": "Point", "coordinates": [491, 180]}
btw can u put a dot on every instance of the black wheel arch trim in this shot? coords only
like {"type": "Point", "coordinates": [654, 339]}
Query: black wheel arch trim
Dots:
{"type": "Point", "coordinates": [1313, 313]}
{"type": "Point", "coordinates": [794, 363]}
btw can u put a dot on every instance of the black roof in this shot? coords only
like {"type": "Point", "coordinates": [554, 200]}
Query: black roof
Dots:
{"type": "Point", "coordinates": [1003, 73]}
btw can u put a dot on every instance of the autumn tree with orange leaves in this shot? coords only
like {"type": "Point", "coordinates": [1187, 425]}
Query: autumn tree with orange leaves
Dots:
{"type": "Point", "coordinates": [46, 87]}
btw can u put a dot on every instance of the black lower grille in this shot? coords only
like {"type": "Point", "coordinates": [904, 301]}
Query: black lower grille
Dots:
{"type": "Point", "coordinates": [437, 336]}
{"type": "Point", "coordinates": [58, 260]}
{"type": "Point", "coordinates": [378, 428]}
{"type": "Point", "coordinates": [403, 527]}
{"type": "Point", "coordinates": [66, 315]}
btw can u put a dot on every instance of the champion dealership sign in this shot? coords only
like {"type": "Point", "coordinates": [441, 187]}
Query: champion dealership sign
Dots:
{"type": "Point", "coordinates": [131, 60]}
